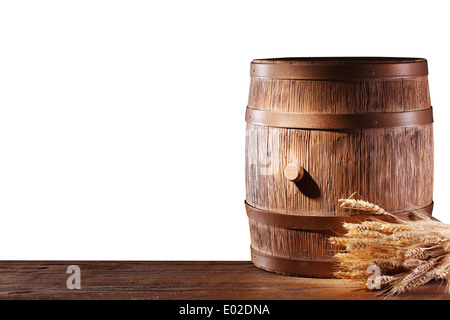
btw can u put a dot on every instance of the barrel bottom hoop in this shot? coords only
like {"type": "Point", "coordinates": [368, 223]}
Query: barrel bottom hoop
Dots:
{"type": "Point", "coordinates": [294, 267]}
{"type": "Point", "coordinates": [332, 224]}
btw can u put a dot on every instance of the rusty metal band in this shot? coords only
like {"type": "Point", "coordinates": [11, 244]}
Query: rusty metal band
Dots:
{"type": "Point", "coordinates": [344, 71]}
{"type": "Point", "coordinates": [305, 267]}
{"type": "Point", "coordinates": [296, 267]}
{"type": "Point", "coordinates": [317, 223]}
{"type": "Point", "coordinates": [339, 121]}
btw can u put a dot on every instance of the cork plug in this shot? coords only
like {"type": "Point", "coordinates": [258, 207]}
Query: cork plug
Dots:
{"type": "Point", "coordinates": [294, 172]}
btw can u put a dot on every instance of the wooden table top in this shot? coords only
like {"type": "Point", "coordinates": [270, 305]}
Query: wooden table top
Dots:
{"type": "Point", "coordinates": [178, 280]}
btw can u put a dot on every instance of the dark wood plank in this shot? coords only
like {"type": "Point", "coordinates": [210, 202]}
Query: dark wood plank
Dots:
{"type": "Point", "coordinates": [168, 280]}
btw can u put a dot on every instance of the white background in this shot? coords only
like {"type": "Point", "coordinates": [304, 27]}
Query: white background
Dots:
{"type": "Point", "coordinates": [122, 122]}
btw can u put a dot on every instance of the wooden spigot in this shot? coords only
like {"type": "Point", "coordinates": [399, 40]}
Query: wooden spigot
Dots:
{"type": "Point", "coordinates": [294, 172]}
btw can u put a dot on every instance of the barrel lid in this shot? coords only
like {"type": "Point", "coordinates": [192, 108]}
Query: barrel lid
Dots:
{"type": "Point", "coordinates": [338, 68]}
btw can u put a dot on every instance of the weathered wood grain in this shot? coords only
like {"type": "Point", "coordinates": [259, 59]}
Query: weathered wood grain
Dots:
{"type": "Point", "coordinates": [178, 280]}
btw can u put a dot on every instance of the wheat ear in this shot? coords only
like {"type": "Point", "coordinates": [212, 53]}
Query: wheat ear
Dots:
{"type": "Point", "coordinates": [409, 253]}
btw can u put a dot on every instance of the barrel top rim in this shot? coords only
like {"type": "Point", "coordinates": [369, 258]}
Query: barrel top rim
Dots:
{"type": "Point", "coordinates": [339, 68]}
{"type": "Point", "coordinates": [338, 60]}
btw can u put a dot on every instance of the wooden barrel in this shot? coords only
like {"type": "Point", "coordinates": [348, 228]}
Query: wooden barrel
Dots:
{"type": "Point", "coordinates": [319, 129]}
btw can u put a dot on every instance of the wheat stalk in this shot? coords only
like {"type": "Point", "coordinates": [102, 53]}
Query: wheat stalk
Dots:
{"type": "Point", "coordinates": [407, 252]}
